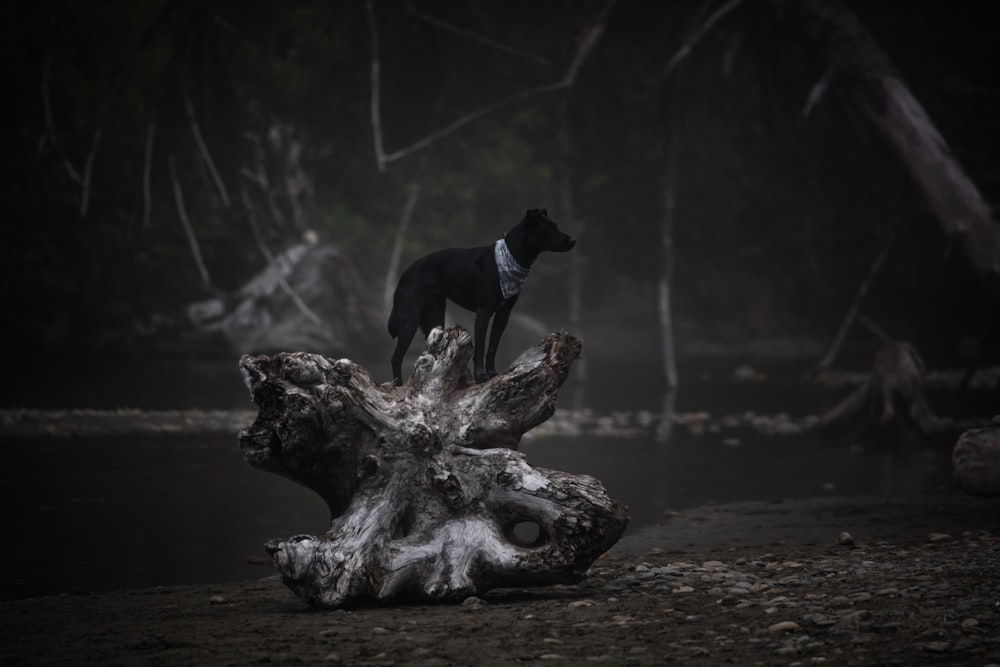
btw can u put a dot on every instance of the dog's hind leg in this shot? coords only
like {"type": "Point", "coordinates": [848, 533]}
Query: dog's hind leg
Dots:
{"type": "Point", "coordinates": [432, 315]}
{"type": "Point", "coordinates": [407, 330]}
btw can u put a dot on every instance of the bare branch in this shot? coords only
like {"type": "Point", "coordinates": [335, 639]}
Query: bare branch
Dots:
{"type": "Point", "coordinates": [282, 282]}
{"type": "Point", "coordinates": [818, 90]}
{"type": "Point", "coordinates": [109, 102]}
{"type": "Point", "coordinates": [188, 229]}
{"type": "Point", "coordinates": [88, 169]}
{"type": "Point", "coordinates": [296, 182]}
{"type": "Point", "coordinates": [397, 246]}
{"type": "Point", "coordinates": [589, 39]}
{"type": "Point", "coordinates": [147, 173]}
{"type": "Point", "coordinates": [473, 116]}
{"type": "Point", "coordinates": [852, 312]}
{"type": "Point", "coordinates": [693, 40]}
{"type": "Point", "coordinates": [206, 156]}
{"type": "Point", "coordinates": [376, 103]}
{"type": "Point", "coordinates": [260, 178]}
{"type": "Point", "coordinates": [587, 43]}
{"type": "Point", "coordinates": [50, 125]}
{"type": "Point", "coordinates": [254, 177]}
{"type": "Point", "coordinates": [476, 37]}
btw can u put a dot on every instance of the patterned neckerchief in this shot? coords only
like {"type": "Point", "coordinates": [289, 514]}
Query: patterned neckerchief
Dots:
{"type": "Point", "coordinates": [512, 275]}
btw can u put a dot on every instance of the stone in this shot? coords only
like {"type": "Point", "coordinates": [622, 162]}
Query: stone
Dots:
{"type": "Point", "coordinates": [976, 460]}
{"type": "Point", "coordinates": [783, 626]}
{"type": "Point", "coordinates": [970, 625]}
{"type": "Point", "coordinates": [936, 647]}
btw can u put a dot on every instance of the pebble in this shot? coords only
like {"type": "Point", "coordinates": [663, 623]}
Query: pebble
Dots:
{"type": "Point", "coordinates": [216, 599]}
{"type": "Point", "coordinates": [845, 539]}
{"type": "Point", "coordinates": [784, 626]}
{"type": "Point", "coordinates": [936, 647]}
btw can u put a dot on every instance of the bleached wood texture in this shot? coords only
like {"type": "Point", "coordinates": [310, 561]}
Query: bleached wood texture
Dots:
{"type": "Point", "coordinates": [428, 496]}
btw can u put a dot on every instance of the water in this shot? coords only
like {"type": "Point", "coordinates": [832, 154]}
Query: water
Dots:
{"type": "Point", "coordinates": [122, 512]}
{"type": "Point", "coordinates": [102, 513]}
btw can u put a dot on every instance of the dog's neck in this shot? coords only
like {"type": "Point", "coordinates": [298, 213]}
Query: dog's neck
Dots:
{"type": "Point", "coordinates": [512, 274]}
{"type": "Point", "coordinates": [515, 243]}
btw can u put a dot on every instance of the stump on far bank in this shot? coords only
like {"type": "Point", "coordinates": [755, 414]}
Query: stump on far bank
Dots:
{"type": "Point", "coordinates": [428, 496]}
{"type": "Point", "coordinates": [890, 404]}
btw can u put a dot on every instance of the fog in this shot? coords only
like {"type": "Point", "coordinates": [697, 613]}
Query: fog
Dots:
{"type": "Point", "coordinates": [188, 182]}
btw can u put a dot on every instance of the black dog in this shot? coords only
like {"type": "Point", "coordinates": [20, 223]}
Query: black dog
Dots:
{"type": "Point", "coordinates": [485, 280]}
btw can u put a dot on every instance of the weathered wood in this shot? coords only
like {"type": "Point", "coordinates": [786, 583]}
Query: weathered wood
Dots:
{"type": "Point", "coordinates": [308, 297]}
{"type": "Point", "coordinates": [858, 65]}
{"type": "Point", "coordinates": [891, 403]}
{"type": "Point", "coordinates": [422, 481]}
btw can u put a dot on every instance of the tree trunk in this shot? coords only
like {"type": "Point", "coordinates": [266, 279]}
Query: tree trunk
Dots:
{"type": "Point", "coordinates": [567, 210]}
{"type": "Point", "coordinates": [428, 497]}
{"type": "Point", "coordinates": [857, 64]}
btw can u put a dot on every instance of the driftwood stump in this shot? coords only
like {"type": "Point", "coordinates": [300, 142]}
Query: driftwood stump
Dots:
{"type": "Point", "coordinates": [890, 404]}
{"type": "Point", "coordinates": [428, 497]}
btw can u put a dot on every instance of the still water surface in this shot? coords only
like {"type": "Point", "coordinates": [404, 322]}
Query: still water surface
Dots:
{"type": "Point", "coordinates": [101, 513]}
{"type": "Point", "coordinates": [122, 512]}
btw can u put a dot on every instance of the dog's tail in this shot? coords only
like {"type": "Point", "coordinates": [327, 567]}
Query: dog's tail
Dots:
{"type": "Point", "coordinates": [393, 323]}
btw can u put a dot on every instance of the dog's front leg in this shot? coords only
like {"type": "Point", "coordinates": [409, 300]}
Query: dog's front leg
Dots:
{"type": "Point", "coordinates": [499, 324]}
{"type": "Point", "coordinates": [482, 322]}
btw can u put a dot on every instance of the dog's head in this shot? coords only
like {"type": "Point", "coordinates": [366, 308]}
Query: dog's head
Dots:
{"type": "Point", "coordinates": [542, 234]}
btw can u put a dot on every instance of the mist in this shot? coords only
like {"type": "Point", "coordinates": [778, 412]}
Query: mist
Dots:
{"type": "Point", "coordinates": [186, 183]}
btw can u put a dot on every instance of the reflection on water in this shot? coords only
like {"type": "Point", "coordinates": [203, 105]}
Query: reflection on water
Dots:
{"type": "Point", "coordinates": [119, 512]}
{"type": "Point", "coordinates": [94, 514]}
{"type": "Point", "coordinates": [102, 513]}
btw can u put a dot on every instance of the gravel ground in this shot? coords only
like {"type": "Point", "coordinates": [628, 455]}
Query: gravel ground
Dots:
{"type": "Point", "coordinates": [834, 581]}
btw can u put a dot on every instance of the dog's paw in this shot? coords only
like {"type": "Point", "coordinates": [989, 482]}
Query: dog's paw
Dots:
{"type": "Point", "coordinates": [483, 377]}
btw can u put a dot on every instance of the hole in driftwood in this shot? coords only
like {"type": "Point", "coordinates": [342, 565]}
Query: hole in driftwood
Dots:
{"type": "Point", "coordinates": [527, 534]}
{"type": "Point", "coordinates": [404, 524]}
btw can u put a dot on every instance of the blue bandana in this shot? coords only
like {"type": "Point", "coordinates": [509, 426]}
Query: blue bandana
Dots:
{"type": "Point", "coordinates": [512, 275]}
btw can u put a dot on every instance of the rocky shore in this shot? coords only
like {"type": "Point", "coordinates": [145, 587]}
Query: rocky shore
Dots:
{"type": "Point", "coordinates": [840, 582]}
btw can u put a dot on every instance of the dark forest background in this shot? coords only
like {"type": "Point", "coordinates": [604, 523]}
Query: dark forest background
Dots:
{"type": "Point", "coordinates": [112, 107]}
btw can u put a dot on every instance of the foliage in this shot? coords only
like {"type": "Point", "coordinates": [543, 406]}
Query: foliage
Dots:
{"type": "Point", "coordinates": [779, 215]}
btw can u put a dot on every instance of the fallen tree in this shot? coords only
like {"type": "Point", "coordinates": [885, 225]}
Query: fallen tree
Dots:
{"type": "Point", "coordinates": [428, 496]}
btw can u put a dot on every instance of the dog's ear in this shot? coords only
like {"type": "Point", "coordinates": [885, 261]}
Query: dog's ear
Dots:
{"type": "Point", "coordinates": [543, 212]}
